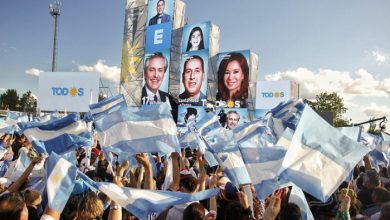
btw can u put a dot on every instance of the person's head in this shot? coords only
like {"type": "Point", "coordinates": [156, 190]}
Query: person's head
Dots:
{"type": "Point", "coordinates": [188, 184]}
{"type": "Point", "coordinates": [154, 71]}
{"type": "Point", "coordinates": [32, 198]}
{"type": "Point", "coordinates": [290, 212]}
{"type": "Point", "coordinates": [232, 119]}
{"type": "Point", "coordinates": [13, 207]}
{"type": "Point", "coordinates": [195, 40]}
{"type": "Point", "coordinates": [371, 179]}
{"type": "Point", "coordinates": [385, 212]}
{"type": "Point", "coordinates": [380, 195]}
{"type": "Point", "coordinates": [195, 211]}
{"type": "Point", "coordinates": [233, 211]}
{"type": "Point", "coordinates": [190, 115]}
{"type": "Point", "coordinates": [193, 75]}
{"type": "Point", "coordinates": [233, 77]}
{"type": "Point", "coordinates": [90, 207]}
{"type": "Point", "coordinates": [160, 7]}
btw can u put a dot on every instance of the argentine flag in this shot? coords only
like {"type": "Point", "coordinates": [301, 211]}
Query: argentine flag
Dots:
{"type": "Point", "coordinates": [5, 127]}
{"type": "Point", "coordinates": [60, 135]}
{"type": "Point", "coordinates": [134, 131]}
{"type": "Point", "coordinates": [107, 106]}
{"type": "Point", "coordinates": [141, 202]}
{"type": "Point", "coordinates": [352, 132]}
{"type": "Point", "coordinates": [60, 180]}
{"type": "Point", "coordinates": [319, 157]}
{"type": "Point", "coordinates": [263, 163]}
{"type": "Point", "coordinates": [285, 115]}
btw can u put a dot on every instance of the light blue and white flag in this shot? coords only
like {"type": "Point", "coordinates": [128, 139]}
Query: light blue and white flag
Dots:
{"type": "Point", "coordinates": [141, 202]}
{"type": "Point", "coordinates": [48, 117]}
{"type": "Point", "coordinates": [61, 135]}
{"type": "Point", "coordinates": [107, 106]}
{"type": "Point", "coordinates": [319, 157]}
{"type": "Point", "coordinates": [5, 127]}
{"type": "Point", "coordinates": [60, 180]}
{"type": "Point", "coordinates": [20, 166]}
{"type": "Point", "coordinates": [352, 132]}
{"type": "Point", "coordinates": [298, 197]}
{"type": "Point", "coordinates": [379, 158]}
{"type": "Point", "coordinates": [15, 117]}
{"type": "Point", "coordinates": [133, 132]}
{"type": "Point", "coordinates": [263, 164]}
{"type": "Point", "coordinates": [285, 115]}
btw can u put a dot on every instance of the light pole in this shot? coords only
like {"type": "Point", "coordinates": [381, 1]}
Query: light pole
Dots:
{"type": "Point", "coordinates": [54, 10]}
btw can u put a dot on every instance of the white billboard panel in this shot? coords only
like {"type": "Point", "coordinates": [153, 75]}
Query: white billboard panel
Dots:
{"type": "Point", "coordinates": [70, 91]}
{"type": "Point", "coordinates": [270, 93]}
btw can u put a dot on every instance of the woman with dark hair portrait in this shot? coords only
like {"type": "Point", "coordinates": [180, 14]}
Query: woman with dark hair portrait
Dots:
{"type": "Point", "coordinates": [195, 40]}
{"type": "Point", "coordinates": [233, 77]}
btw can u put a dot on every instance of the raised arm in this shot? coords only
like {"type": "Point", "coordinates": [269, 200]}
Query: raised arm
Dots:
{"type": "Point", "coordinates": [23, 178]}
{"type": "Point", "coordinates": [143, 159]}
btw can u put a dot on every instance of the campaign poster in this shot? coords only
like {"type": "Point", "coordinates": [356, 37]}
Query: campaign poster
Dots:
{"type": "Point", "coordinates": [160, 12]}
{"type": "Point", "coordinates": [155, 78]}
{"type": "Point", "coordinates": [233, 69]}
{"type": "Point", "coordinates": [230, 118]}
{"type": "Point", "coordinates": [188, 115]}
{"type": "Point", "coordinates": [196, 37]}
{"type": "Point", "coordinates": [158, 37]}
{"type": "Point", "coordinates": [193, 78]}
{"type": "Point", "coordinates": [67, 91]}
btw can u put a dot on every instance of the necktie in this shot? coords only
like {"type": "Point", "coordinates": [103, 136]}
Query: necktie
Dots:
{"type": "Point", "coordinates": [155, 98]}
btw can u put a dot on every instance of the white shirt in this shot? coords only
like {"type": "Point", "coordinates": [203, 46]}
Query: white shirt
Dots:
{"type": "Point", "coordinates": [150, 94]}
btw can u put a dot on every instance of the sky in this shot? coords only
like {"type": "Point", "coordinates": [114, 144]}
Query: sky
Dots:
{"type": "Point", "coordinates": [332, 45]}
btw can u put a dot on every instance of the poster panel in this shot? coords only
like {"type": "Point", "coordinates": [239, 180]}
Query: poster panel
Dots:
{"type": "Point", "coordinates": [270, 93]}
{"type": "Point", "coordinates": [193, 78]}
{"type": "Point", "coordinates": [232, 117]}
{"type": "Point", "coordinates": [233, 79]}
{"type": "Point", "coordinates": [68, 91]}
{"type": "Point", "coordinates": [156, 77]}
{"type": "Point", "coordinates": [196, 37]}
{"type": "Point", "coordinates": [160, 11]}
{"type": "Point", "coordinates": [187, 115]}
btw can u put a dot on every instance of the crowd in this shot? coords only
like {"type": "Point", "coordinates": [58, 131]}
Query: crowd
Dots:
{"type": "Point", "coordinates": [367, 196]}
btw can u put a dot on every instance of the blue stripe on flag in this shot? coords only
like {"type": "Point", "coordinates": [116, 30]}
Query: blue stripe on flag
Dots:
{"type": "Point", "coordinates": [107, 106]}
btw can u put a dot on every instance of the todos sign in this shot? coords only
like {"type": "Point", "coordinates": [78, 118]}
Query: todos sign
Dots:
{"type": "Point", "coordinates": [70, 91]}
{"type": "Point", "coordinates": [270, 93]}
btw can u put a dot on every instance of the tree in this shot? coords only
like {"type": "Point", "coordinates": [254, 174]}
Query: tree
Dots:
{"type": "Point", "coordinates": [27, 102]}
{"type": "Point", "coordinates": [9, 100]}
{"type": "Point", "coordinates": [331, 102]}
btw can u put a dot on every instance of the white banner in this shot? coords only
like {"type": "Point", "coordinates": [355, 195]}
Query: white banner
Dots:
{"type": "Point", "coordinates": [270, 93]}
{"type": "Point", "coordinates": [68, 91]}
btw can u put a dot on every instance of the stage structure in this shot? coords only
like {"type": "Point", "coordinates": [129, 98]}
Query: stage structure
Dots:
{"type": "Point", "coordinates": [134, 45]}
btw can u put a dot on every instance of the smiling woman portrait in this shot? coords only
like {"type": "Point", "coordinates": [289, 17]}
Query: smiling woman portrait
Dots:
{"type": "Point", "coordinates": [233, 77]}
{"type": "Point", "coordinates": [195, 40]}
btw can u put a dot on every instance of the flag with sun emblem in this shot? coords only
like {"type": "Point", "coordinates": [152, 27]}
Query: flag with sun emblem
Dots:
{"type": "Point", "coordinates": [60, 180]}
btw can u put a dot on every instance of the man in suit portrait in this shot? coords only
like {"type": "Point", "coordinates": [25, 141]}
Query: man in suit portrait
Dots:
{"type": "Point", "coordinates": [160, 17]}
{"type": "Point", "coordinates": [154, 71]}
{"type": "Point", "coordinates": [232, 119]}
{"type": "Point", "coordinates": [192, 78]}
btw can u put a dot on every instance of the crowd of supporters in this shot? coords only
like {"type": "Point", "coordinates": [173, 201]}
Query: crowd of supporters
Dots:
{"type": "Point", "coordinates": [367, 196]}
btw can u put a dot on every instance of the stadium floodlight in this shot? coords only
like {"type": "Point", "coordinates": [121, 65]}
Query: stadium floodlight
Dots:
{"type": "Point", "coordinates": [54, 10]}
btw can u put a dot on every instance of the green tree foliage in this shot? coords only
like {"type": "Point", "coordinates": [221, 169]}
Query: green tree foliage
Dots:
{"type": "Point", "coordinates": [331, 102]}
{"type": "Point", "coordinates": [27, 102]}
{"type": "Point", "coordinates": [9, 100]}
